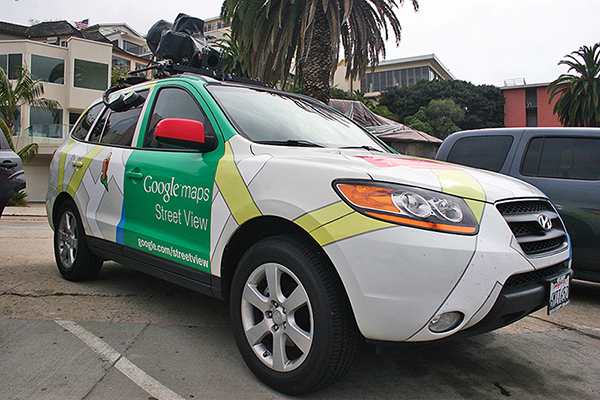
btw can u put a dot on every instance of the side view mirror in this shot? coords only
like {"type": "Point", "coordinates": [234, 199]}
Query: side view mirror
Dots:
{"type": "Point", "coordinates": [186, 133]}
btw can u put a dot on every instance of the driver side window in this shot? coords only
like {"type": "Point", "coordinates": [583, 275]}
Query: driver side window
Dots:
{"type": "Point", "coordinates": [173, 103]}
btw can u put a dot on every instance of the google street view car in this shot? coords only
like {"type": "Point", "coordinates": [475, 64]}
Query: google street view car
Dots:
{"type": "Point", "coordinates": [316, 233]}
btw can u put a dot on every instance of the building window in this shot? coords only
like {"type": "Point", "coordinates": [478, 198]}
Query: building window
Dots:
{"type": "Point", "coordinates": [73, 117]}
{"type": "Point", "coordinates": [133, 48]}
{"type": "Point", "coordinates": [16, 121]}
{"type": "Point", "coordinates": [90, 75]}
{"type": "Point", "coordinates": [530, 97]}
{"type": "Point", "coordinates": [532, 117]}
{"type": "Point", "coordinates": [48, 68]}
{"type": "Point", "coordinates": [121, 64]}
{"type": "Point", "coordinates": [11, 63]}
{"type": "Point", "coordinates": [45, 123]}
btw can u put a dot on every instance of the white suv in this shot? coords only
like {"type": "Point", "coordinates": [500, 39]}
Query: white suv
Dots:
{"type": "Point", "coordinates": [315, 231]}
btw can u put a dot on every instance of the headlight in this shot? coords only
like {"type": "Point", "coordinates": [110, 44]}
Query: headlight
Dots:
{"type": "Point", "coordinates": [405, 205]}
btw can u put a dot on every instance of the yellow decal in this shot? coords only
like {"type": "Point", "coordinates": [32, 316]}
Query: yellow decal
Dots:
{"type": "Point", "coordinates": [61, 164]}
{"type": "Point", "coordinates": [350, 225]}
{"type": "Point", "coordinates": [234, 190]}
{"type": "Point", "coordinates": [311, 221]}
{"type": "Point", "coordinates": [78, 175]}
{"type": "Point", "coordinates": [462, 184]}
{"type": "Point", "coordinates": [336, 222]}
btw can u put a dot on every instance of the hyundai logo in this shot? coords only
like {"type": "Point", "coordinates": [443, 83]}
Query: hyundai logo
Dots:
{"type": "Point", "coordinates": [544, 222]}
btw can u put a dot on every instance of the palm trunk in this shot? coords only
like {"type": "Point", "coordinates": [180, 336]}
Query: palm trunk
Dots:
{"type": "Point", "coordinates": [314, 70]}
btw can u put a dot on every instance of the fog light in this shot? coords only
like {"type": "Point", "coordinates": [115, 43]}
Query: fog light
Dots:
{"type": "Point", "coordinates": [445, 322]}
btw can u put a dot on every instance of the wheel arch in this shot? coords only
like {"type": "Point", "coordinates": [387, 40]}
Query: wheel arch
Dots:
{"type": "Point", "coordinates": [252, 232]}
{"type": "Point", "coordinates": [61, 199]}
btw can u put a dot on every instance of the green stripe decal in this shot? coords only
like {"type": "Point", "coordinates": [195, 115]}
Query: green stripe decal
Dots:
{"type": "Point", "coordinates": [234, 189]}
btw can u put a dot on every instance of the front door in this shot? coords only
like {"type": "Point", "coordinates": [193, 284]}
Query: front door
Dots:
{"type": "Point", "coordinates": [168, 189]}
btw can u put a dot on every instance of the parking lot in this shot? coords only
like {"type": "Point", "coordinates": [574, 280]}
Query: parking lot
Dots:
{"type": "Point", "coordinates": [127, 335]}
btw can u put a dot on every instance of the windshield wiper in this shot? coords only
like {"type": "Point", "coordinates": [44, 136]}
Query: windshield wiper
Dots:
{"type": "Point", "coordinates": [291, 142]}
{"type": "Point", "coordinates": [364, 147]}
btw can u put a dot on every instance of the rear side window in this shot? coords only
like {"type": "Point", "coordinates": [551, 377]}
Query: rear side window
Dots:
{"type": "Point", "coordinates": [117, 128]}
{"type": "Point", "coordinates": [485, 152]}
{"type": "Point", "coordinates": [81, 130]}
{"type": "Point", "coordinates": [562, 157]}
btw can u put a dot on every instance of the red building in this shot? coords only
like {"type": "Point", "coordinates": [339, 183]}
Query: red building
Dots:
{"type": "Point", "coordinates": [528, 105]}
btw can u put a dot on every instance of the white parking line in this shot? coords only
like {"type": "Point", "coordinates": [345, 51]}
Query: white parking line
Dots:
{"type": "Point", "coordinates": [127, 368]}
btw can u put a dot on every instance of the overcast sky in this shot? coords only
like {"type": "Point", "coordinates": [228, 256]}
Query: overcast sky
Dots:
{"type": "Point", "coordinates": [481, 41]}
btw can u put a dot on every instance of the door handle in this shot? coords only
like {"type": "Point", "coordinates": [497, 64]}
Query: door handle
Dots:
{"type": "Point", "coordinates": [134, 175]}
{"type": "Point", "coordinates": [8, 164]}
{"type": "Point", "coordinates": [77, 164]}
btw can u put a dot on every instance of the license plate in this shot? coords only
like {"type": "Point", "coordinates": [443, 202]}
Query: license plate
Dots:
{"type": "Point", "coordinates": [559, 293]}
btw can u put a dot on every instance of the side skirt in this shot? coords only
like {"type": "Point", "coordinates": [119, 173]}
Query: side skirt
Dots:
{"type": "Point", "coordinates": [159, 267]}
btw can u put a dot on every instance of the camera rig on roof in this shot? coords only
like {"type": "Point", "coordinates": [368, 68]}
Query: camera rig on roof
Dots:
{"type": "Point", "coordinates": [177, 48]}
{"type": "Point", "coordinates": [181, 47]}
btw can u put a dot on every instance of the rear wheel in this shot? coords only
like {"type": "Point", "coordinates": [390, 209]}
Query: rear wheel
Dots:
{"type": "Point", "coordinates": [74, 259]}
{"type": "Point", "coordinates": [292, 320]}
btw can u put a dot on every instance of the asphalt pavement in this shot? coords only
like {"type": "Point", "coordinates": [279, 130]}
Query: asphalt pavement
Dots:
{"type": "Point", "coordinates": [127, 335]}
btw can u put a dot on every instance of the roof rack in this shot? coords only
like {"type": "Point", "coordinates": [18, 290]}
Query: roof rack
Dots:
{"type": "Point", "coordinates": [167, 68]}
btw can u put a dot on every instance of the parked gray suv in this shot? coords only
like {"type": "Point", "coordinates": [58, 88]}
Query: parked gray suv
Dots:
{"type": "Point", "coordinates": [563, 162]}
{"type": "Point", "coordinates": [12, 176]}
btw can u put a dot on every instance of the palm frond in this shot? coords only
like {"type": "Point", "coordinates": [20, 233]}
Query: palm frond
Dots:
{"type": "Point", "coordinates": [28, 152]}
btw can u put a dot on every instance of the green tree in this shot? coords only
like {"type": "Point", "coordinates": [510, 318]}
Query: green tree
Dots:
{"type": "Point", "coordinates": [579, 91]}
{"type": "Point", "coordinates": [483, 105]}
{"type": "Point", "coordinates": [438, 119]}
{"type": "Point", "coordinates": [444, 115]}
{"type": "Point", "coordinates": [419, 121]}
{"type": "Point", "coordinates": [118, 72]}
{"type": "Point", "coordinates": [274, 34]}
{"type": "Point", "coordinates": [26, 91]}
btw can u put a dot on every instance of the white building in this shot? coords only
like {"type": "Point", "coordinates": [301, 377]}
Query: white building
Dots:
{"type": "Point", "coordinates": [77, 69]}
{"type": "Point", "coordinates": [399, 72]}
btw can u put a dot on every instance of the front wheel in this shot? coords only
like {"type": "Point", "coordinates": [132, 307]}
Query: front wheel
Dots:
{"type": "Point", "coordinates": [74, 259]}
{"type": "Point", "coordinates": [291, 317]}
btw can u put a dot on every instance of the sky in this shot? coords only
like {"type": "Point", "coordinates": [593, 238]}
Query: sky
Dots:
{"type": "Point", "coordinates": [479, 41]}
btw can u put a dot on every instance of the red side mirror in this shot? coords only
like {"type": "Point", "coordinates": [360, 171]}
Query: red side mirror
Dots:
{"type": "Point", "coordinates": [184, 132]}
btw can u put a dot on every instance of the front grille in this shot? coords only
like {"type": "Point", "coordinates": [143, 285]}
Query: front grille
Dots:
{"type": "Point", "coordinates": [524, 207]}
{"type": "Point", "coordinates": [533, 276]}
{"type": "Point", "coordinates": [523, 219]}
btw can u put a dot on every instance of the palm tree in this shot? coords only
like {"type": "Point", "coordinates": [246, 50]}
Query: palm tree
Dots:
{"type": "Point", "coordinates": [26, 91]}
{"type": "Point", "coordinates": [274, 34]}
{"type": "Point", "coordinates": [230, 53]}
{"type": "Point", "coordinates": [579, 92]}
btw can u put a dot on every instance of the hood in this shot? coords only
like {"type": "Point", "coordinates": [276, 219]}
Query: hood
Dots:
{"type": "Point", "coordinates": [457, 180]}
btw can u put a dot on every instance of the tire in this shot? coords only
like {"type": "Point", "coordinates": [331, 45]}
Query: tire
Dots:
{"type": "Point", "coordinates": [74, 259]}
{"type": "Point", "coordinates": [291, 317]}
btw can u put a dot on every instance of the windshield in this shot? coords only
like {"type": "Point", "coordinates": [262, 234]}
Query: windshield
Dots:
{"type": "Point", "coordinates": [276, 118]}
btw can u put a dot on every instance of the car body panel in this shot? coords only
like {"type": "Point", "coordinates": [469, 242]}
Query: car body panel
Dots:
{"type": "Point", "coordinates": [12, 175]}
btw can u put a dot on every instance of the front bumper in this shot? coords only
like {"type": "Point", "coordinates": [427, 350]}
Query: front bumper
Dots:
{"type": "Point", "coordinates": [398, 279]}
{"type": "Point", "coordinates": [521, 295]}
